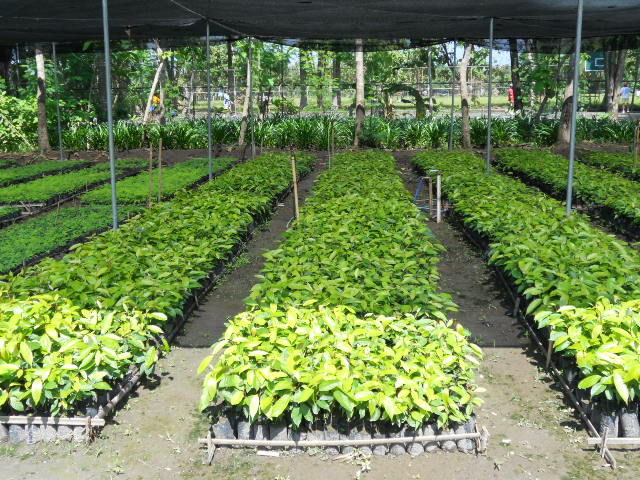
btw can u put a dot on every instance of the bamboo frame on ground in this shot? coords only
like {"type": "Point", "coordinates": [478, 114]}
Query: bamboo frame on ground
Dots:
{"type": "Point", "coordinates": [481, 437]}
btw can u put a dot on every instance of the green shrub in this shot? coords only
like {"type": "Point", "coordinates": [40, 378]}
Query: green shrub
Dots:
{"type": "Point", "coordinates": [562, 266]}
{"type": "Point", "coordinates": [23, 241]}
{"type": "Point", "coordinates": [17, 174]}
{"type": "Point", "coordinates": [592, 185]}
{"type": "Point", "coordinates": [50, 187]}
{"type": "Point", "coordinates": [111, 284]}
{"type": "Point", "coordinates": [308, 347]}
{"type": "Point", "coordinates": [135, 190]}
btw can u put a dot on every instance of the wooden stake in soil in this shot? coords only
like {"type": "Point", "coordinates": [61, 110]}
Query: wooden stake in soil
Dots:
{"type": "Point", "coordinates": [438, 198]}
{"type": "Point", "coordinates": [150, 173]}
{"type": "Point", "coordinates": [636, 145]}
{"type": "Point", "coordinates": [160, 170]}
{"type": "Point", "coordinates": [430, 197]}
{"type": "Point", "coordinates": [295, 184]}
{"type": "Point", "coordinates": [603, 445]}
{"type": "Point", "coordinates": [549, 353]}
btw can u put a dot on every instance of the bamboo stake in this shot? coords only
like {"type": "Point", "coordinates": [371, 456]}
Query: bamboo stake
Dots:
{"type": "Point", "coordinates": [549, 353]}
{"type": "Point", "coordinates": [614, 441]}
{"type": "Point", "coordinates": [438, 198]}
{"type": "Point", "coordinates": [430, 197]}
{"type": "Point", "coordinates": [295, 184]}
{"type": "Point", "coordinates": [338, 443]}
{"type": "Point", "coordinates": [635, 145]}
{"type": "Point", "coordinates": [160, 170]}
{"type": "Point", "coordinates": [150, 173]}
{"type": "Point", "coordinates": [603, 445]}
{"type": "Point", "coordinates": [69, 421]}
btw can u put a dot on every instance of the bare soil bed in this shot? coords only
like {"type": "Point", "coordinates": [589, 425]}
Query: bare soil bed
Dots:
{"type": "Point", "coordinates": [534, 433]}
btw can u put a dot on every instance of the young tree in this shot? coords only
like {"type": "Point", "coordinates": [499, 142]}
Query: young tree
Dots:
{"type": "Point", "coordinates": [614, 59]}
{"type": "Point", "coordinates": [515, 75]}
{"type": "Point", "coordinates": [359, 92]}
{"type": "Point", "coordinates": [247, 96]}
{"type": "Point", "coordinates": [303, 78]}
{"type": "Point", "coordinates": [464, 94]}
{"type": "Point", "coordinates": [337, 79]}
{"type": "Point", "coordinates": [231, 76]}
{"type": "Point", "coordinates": [43, 134]}
{"type": "Point", "coordinates": [320, 72]}
{"type": "Point", "coordinates": [564, 129]}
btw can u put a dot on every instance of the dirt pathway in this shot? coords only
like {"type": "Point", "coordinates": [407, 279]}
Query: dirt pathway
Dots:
{"type": "Point", "coordinates": [534, 435]}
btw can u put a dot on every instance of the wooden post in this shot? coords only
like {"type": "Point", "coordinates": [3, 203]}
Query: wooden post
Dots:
{"type": "Point", "coordinates": [150, 173]}
{"type": "Point", "coordinates": [636, 142]}
{"type": "Point", "coordinates": [603, 445]}
{"type": "Point", "coordinates": [295, 184]}
{"type": "Point", "coordinates": [430, 197]}
{"type": "Point", "coordinates": [160, 170]}
{"type": "Point", "coordinates": [438, 198]}
{"type": "Point", "coordinates": [549, 353]}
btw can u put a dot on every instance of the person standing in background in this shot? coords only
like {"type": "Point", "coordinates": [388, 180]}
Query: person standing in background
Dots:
{"type": "Point", "coordinates": [512, 98]}
{"type": "Point", "coordinates": [625, 97]}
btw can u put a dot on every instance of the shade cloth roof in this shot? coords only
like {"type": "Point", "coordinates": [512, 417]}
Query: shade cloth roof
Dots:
{"type": "Point", "coordinates": [27, 21]}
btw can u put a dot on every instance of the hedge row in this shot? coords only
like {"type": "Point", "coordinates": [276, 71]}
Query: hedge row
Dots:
{"type": "Point", "coordinates": [346, 320]}
{"type": "Point", "coordinates": [24, 241]}
{"type": "Point", "coordinates": [19, 174]}
{"type": "Point", "coordinates": [74, 326]}
{"type": "Point", "coordinates": [135, 190]}
{"type": "Point", "coordinates": [593, 186]}
{"type": "Point", "coordinates": [613, 162]}
{"type": "Point", "coordinates": [51, 187]}
{"type": "Point", "coordinates": [560, 265]}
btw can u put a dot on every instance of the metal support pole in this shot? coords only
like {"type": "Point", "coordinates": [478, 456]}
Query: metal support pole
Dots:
{"type": "Point", "coordinates": [107, 68]}
{"type": "Point", "coordinates": [209, 106]}
{"type": "Point", "coordinates": [57, 86]}
{"type": "Point", "coordinates": [453, 86]}
{"type": "Point", "coordinates": [490, 97]}
{"type": "Point", "coordinates": [574, 105]}
{"type": "Point", "coordinates": [250, 60]}
{"type": "Point", "coordinates": [430, 75]}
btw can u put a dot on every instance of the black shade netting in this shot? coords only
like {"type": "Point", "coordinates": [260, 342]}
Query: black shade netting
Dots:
{"type": "Point", "coordinates": [315, 21]}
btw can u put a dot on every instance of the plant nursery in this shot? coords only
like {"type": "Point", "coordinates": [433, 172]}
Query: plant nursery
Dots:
{"type": "Point", "coordinates": [286, 240]}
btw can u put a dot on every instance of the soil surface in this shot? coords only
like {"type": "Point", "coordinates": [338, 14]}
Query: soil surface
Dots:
{"type": "Point", "coordinates": [534, 434]}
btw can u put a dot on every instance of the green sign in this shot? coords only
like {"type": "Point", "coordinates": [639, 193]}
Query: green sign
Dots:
{"type": "Point", "coordinates": [594, 62]}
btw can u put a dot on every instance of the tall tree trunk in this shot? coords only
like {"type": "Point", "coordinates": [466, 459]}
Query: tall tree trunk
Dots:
{"type": "Point", "coordinates": [614, 72]}
{"type": "Point", "coordinates": [231, 76]}
{"type": "Point", "coordinates": [359, 92]}
{"type": "Point", "coordinates": [190, 104]}
{"type": "Point", "coordinates": [549, 91]}
{"type": "Point", "coordinates": [5, 66]}
{"type": "Point", "coordinates": [564, 129]}
{"type": "Point", "coordinates": [304, 101]}
{"type": "Point", "coordinates": [247, 99]}
{"type": "Point", "coordinates": [635, 81]}
{"type": "Point", "coordinates": [154, 84]}
{"type": "Point", "coordinates": [464, 95]}
{"type": "Point", "coordinates": [515, 75]}
{"type": "Point", "coordinates": [43, 134]}
{"type": "Point", "coordinates": [320, 88]}
{"type": "Point", "coordinates": [337, 76]}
